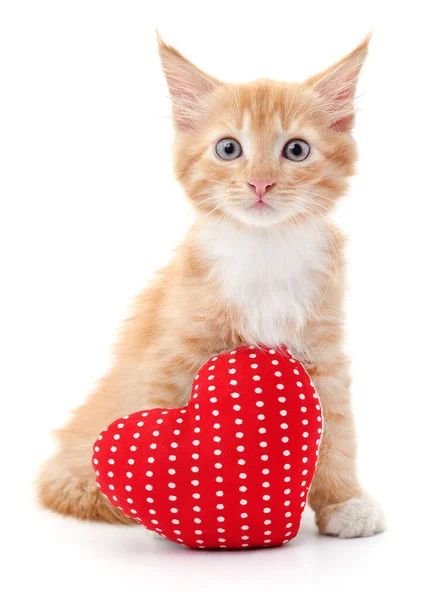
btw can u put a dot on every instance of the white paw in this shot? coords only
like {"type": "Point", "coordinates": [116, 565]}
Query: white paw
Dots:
{"type": "Point", "coordinates": [357, 517]}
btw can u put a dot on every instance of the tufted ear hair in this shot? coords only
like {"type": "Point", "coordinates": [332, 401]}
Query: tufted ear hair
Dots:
{"type": "Point", "coordinates": [337, 86]}
{"type": "Point", "coordinates": [188, 86]}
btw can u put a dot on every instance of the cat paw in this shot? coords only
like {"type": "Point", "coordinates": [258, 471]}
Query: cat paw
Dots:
{"type": "Point", "coordinates": [357, 517]}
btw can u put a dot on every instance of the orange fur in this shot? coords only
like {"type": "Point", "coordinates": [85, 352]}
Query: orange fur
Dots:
{"type": "Point", "coordinates": [186, 315]}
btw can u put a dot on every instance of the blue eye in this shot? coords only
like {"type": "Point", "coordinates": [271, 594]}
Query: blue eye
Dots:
{"type": "Point", "coordinates": [296, 150]}
{"type": "Point", "coordinates": [228, 149]}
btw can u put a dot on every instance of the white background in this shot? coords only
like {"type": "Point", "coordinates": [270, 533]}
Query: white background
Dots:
{"type": "Point", "coordinates": [90, 209]}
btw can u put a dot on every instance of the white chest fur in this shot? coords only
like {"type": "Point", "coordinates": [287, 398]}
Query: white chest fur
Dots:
{"type": "Point", "coordinates": [272, 275]}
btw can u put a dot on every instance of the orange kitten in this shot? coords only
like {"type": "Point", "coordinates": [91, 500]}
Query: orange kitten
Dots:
{"type": "Point", "coordinates": [263, 164]}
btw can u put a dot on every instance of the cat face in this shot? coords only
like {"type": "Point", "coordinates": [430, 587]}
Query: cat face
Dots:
{"type": "Point", "coordinates": [265, 152]}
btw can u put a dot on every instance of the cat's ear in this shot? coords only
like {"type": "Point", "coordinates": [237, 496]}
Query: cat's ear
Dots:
{"type": "Point", "coordinates": [188, 87]}
{"type": "Point", "coordinates": [337, 86]}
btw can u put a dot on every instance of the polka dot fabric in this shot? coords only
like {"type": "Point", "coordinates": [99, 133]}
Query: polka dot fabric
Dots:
{"type": "Point", "coordinates": [230, 470]}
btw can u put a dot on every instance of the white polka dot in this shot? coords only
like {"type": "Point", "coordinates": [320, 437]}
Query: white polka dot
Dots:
{"type": "Point", "coordinates": [213, 400]}
{"type": "Point", "coordinates": [282, 399]}
{"type": "Point", "coordinates": [279, 386]}
{"type": "Point", "coordinates": [133, 448]}
{"type": "Point", "coordinates": [261, 417]}
{"type": "Point", "coordinates": [111, 461]}
{"type": "Point", "coordinates": [211, 388]}
{"type": "Point", "coordinates": [275, 362]}
{"type": "Point", "coordinates": [278, 373]}
{"type": "Point", "coordinates": [233, 382]}
{"type": "Point", "coordinates": [113, 448]}
{"type": "Point", "coordinates": [254, 366]}
{"type": "Point", "coordinates": [258, 390]}
{"type": "Point", "coordinates": [236, 407]}
{"type": "Point", "coordinates": [238, 421]}
{"type": "Point", "coordinates": [129, 474]}
{"type": "Point", "coordinates": [256, 377]}
{"type": "Point", "coordinates": [264, 457]}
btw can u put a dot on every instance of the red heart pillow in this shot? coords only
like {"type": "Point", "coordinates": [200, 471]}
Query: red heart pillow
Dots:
{"type": "Point", "coordinates": [230, 470]}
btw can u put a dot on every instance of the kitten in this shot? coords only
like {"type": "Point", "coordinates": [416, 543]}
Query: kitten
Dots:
{"type": "Point", "coordinates": [263, 164]}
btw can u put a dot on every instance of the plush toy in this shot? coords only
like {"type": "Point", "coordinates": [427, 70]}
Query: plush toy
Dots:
{"type": "Point", "coordinates": [233, 468]}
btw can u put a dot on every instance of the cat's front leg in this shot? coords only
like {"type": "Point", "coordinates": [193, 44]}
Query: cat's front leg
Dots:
{"type": "Point", "coordinates": [342, 509]}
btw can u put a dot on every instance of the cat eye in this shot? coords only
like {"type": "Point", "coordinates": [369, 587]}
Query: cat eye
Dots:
{"type": "Point", "coordinates": [296, 150]}
{"type": "Point", "coordinates": [228, 149]}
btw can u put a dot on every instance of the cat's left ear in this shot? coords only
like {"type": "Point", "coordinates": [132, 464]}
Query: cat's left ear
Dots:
{"type": "Point", "coordinates": [188, 87]}
{"type": "Point", "coordinates": [337, 86]}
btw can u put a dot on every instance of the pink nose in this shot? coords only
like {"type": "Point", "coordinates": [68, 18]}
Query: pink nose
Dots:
{"type": "Point", "coordinates": [261, 186]}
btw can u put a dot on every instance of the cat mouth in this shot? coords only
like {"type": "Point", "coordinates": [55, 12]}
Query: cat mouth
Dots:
{"type": "Point", "coordinates": [261, 205]}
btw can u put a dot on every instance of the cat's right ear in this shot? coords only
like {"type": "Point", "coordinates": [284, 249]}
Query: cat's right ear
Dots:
{"type": "Point", "coordinates": [188, 87]}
